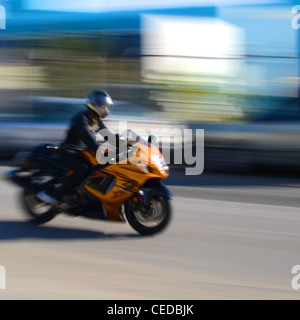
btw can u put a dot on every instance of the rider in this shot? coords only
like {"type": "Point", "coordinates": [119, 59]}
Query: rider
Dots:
{"type": "Point", "coordinates": [80, 137]}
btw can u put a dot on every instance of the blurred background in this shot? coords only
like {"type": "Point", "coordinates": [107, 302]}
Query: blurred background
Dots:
{"type": "Point", "coordinates": [229, 67]}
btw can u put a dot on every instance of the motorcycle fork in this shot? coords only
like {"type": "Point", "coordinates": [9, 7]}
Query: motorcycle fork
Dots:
{"type": "Point", "coordinates": [141, 201]}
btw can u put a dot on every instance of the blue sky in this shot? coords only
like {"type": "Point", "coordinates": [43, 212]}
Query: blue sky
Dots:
{"type": "Point", "coordinates": [116, 5]}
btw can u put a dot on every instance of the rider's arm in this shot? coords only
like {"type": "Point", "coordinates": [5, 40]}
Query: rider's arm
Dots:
{"type": "Point", "coordinates": [85, 133]}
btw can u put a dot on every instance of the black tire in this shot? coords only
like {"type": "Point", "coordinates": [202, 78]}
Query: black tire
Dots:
{"type": "Point", "coordinates": [149, 224]}
{"type": "Point", "coordinates": [31, 204]}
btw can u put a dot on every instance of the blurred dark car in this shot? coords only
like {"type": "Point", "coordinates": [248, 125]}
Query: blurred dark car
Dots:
{"type": "Point", "coordinates": [27, 121]}
{"type": "Point", "coordinates": [270, 138]}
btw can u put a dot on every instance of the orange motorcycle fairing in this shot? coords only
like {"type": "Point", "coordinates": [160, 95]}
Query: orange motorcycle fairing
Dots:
{"type": "Point", "coordinates": [129, 178]}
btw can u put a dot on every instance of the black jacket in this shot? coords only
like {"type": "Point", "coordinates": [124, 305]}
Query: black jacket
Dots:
{"type": "Point", "coordinates": [80, 135]}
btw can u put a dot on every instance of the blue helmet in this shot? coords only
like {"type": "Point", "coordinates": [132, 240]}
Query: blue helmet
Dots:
{"type": "Point", "coordinates": [100, 102]}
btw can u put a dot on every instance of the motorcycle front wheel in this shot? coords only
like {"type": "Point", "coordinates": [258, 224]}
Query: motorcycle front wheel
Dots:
{"type": "Point", "coordinates": [155, 220]}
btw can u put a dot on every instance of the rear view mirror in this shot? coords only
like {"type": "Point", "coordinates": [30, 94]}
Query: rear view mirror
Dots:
{"type": "Point", "coordinates": [152, 138]}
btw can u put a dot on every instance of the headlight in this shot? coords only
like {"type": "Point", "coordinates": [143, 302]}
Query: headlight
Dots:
{"type": "Point", "coordinates": [162, 165]}
{"type": "Point", "coordinates": [165, 167]}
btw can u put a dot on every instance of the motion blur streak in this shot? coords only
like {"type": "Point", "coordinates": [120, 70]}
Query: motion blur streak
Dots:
{"type": "Point", "coordinates": [227, 68]}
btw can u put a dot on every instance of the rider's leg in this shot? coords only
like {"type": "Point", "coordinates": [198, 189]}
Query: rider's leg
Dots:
{"type": "Point", "coordinates": [78, 171]}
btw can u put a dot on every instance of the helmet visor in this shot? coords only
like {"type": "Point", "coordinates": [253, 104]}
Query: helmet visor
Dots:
{"type": "Point", "coordinates": [105, 109]}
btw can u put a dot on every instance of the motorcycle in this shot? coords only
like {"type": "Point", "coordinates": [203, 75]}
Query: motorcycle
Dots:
{"type": "Point", "coordinates": [122, 191]}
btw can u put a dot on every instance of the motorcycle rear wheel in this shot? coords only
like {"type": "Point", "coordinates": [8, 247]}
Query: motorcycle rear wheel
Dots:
{"type": "Point", "coordinates": [152, 222]}
{"type": "Point", "coordinates": [38, 211]}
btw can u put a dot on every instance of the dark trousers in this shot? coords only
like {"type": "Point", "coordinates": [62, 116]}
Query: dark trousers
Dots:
{"type": "Point", "coordinates": [80, 168]}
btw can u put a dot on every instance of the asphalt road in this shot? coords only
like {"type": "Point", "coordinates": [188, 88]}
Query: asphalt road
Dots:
{"type": "Point", "coordinates": [230, 238]}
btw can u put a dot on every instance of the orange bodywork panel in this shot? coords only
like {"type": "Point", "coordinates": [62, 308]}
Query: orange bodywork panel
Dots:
{"type": "Point", "coordinates": [89, 156]}
{"type": "Point", "coordinates": [129, 178]}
